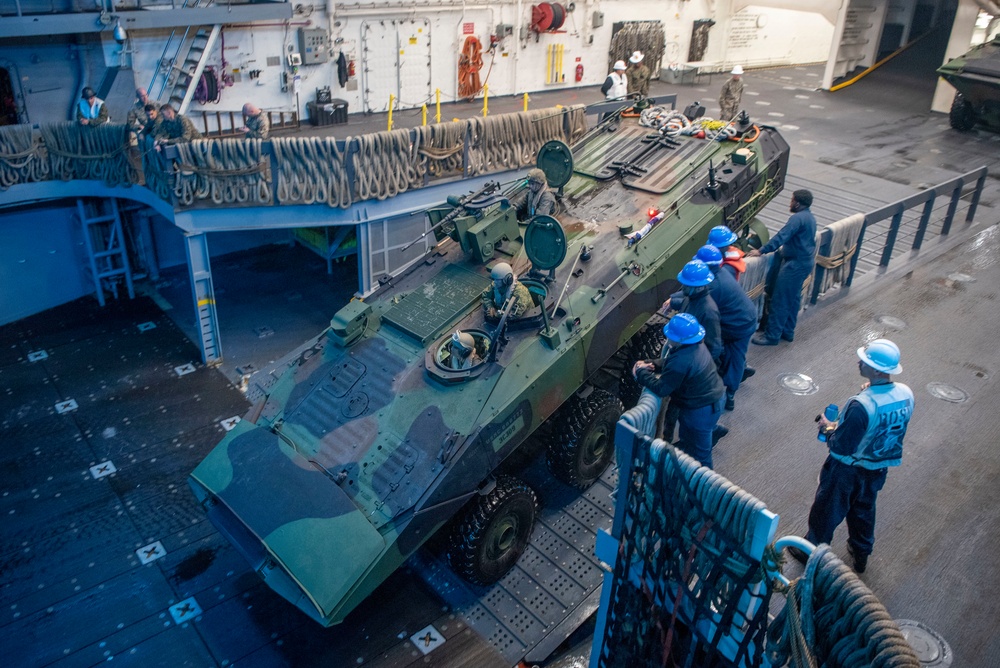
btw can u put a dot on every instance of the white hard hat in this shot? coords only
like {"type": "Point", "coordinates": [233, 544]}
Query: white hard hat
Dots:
{"type": "Point", "coordinates": [619, 65]}
{"type": "Point", "coordinates": [636, 57]}
{"type": "Point", "coordinates": [737, 70]}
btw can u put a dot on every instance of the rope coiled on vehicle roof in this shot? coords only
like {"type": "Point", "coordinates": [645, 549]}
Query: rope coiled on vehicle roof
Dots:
{"type": "Point", "coordinates": [22, 158]}
{"type": "Point", "coordinates": [833, 619]}
{"type": "Point", "coordinates": [85, 152]}
{"type": "Point", "coordinates": [312, 169]}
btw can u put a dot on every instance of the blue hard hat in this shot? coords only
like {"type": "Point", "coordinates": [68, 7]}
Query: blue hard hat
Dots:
{"type": "Point", "coordinates": [721, 236]}
{"type": "Point", "coordinates": [710, 255]}
{"type": "Point", "coordinates": [881, 355]}
{"type": "Point", "coordinates": [684, 328]}
{"type": "Point", "coordinates": [695, 274]}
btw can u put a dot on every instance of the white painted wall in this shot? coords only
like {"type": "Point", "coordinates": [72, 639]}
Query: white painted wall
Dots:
{"type": "Point", "coordinates": [958, 43]}
{"type": "Point", "coordinates": [783, 37]}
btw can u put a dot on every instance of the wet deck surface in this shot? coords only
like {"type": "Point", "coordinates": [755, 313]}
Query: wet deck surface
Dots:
{"type": "Point", "coordinates": [74, 591]}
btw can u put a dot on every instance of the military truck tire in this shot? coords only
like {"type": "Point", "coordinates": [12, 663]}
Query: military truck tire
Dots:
{"type": "Point", "coordinates": [645, 345]}
{"type": "Point", "coordinates": [962, 116]}
{"type": "Point", "coordinates": [582, 438]}
{"type": "Point", "coordinates": [494, 531]}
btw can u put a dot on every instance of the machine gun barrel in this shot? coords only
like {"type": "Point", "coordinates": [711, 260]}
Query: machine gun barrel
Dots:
{"type": "Point", "coordinates": [458, 210]}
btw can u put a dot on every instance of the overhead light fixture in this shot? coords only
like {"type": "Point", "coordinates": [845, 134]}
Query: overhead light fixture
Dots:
{"type": "Point", "coordinates": [120, 34]}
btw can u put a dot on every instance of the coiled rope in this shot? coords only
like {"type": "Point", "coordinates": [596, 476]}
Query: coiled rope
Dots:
{"type": "Point", "coordinates": [226, 171]}
{"type": "Point", "coordinates": [84, 152]}
{"type": "Point", "coordinates": [22, 159]}
{"type": "Point", "coordinates": [754, 279]}
{"type": "Point", "coordinates": [312, 169]}
{"type": "Point", "coordinates": [833, 619]}
{"type": "Point", "coordinates": [385, 164]}
{"type": "Point", "coordinates": [439, 148]}
{"type": "Point", "coordinates": [843, 246]}
{"type": "Point", "coordinates": [470, 61]}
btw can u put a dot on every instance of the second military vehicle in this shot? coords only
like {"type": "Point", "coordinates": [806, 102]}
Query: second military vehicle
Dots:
{"type": "Point", "coordinates": [400, 418]}
{"type": "Point", "coordinates": [976, 76]}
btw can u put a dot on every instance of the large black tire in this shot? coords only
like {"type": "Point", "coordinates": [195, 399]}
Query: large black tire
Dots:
{"type": "Point", "coordinates": [494, 531]}
{"type": "Point", "coordinates": [962, 116]}
{"type": "Point", "coordinates": [645, 345]}
{"type": "Point", "coordinates": [582, 438]}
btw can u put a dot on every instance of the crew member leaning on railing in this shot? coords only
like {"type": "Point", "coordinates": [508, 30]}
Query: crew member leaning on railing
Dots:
{"type": "Point", "coordinates": [174, 128]}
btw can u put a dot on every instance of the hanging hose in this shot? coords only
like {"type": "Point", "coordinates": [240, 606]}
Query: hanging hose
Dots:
{"type": "Point", "coordinates": [470, 61]}
{"type": "Point", "coordinates": [84, 152]}
{"type": "Point", "coordinates": [22, 159]}
{"type": "Point", "coordinates": [833, 619]}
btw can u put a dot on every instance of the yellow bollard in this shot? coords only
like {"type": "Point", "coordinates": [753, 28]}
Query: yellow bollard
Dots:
{"type": "Point", "coordinates": [437, 105]}
{"type": "Point", "coordinates": [525, 101]}
{"type": "Point", "coordinates": [423, 115]}
{"type": "Point", "coordinates": [392, 98]}
{"type": "Point", "coordinates": [486, 99]}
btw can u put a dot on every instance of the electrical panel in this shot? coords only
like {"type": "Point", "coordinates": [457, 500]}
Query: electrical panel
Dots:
{"type": "Point", "coordinates": [313, 46]}
{"type": "Point", "coordinates": [598, 20]}
{"type": "Point", "coordinates": [504, 30]}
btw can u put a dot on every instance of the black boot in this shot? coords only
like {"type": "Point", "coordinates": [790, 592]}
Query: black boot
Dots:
{"type": "Point", "coordinates": [748, 372]}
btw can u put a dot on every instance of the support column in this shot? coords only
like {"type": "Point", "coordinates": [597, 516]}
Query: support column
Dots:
{"type": "Point", "coordinates": [958, 43]}
{"type": "Point", "coordinates": [200, 272]}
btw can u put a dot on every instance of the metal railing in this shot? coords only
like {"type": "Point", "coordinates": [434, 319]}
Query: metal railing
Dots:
{"type": "Point", "coordinates": [900, 224]}
{"type": "Point", "coordinates": [230, 123]}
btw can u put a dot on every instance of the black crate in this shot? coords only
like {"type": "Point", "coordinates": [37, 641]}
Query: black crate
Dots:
{"type": "Point", "coordinates": [332, 113]}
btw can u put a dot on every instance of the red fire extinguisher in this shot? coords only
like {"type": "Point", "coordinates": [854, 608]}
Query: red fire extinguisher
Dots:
{"type": "Point", "coordinates": [350, 68]}
{"type": "Point", "coordinates": [579, 72]}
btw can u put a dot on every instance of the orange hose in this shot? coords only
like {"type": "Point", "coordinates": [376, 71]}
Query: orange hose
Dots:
{"type": "Point", "coordinates": [470, 61]}
{"type": "Point", "coordinates": [750, 139]}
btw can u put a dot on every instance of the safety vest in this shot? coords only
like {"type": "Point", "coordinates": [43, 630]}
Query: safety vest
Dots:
{"type": "Point", "coordinates": [889, 407]}
{"type": "Point", "coordinates": [91, 112]}
{"type": "Point", "coordinates": [619, 86]}
{"type": "Point", "coordinates": [734, 258]}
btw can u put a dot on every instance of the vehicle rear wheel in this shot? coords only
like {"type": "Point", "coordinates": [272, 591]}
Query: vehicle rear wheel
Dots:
{"type": "Point", "coordinates": [582, 438]}
{"type": "Point", "coordinates": [962, 116]}
{"type": "Point", "coordinates": [494, 531]}
{"type": "Point", "coordinates": [645, 345]}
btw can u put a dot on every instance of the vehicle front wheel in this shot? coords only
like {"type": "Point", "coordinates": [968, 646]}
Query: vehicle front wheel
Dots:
{"type": "Point", "coordinates": [494, 531]}
{"type": "Point", "coordinates": [962, 116]}
{"type": "Point", "coordinates": [582, 438]}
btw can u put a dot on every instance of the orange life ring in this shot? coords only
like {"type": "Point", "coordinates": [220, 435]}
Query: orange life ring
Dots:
{"type": "Point", "coordinates": [470, 61]}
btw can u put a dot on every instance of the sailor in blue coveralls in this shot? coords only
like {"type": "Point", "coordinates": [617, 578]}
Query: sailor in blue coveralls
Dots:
{"type": "Point", "coordinates": [797, 240]}
{"type": "Point", "coordinates": [737, 320]}
{"type": "Point", "coordinates": [868, 440]}
{"type": "Point", "coordinates": [686, 373]}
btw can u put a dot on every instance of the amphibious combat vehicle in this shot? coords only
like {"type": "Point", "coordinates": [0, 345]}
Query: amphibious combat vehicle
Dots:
{"type": "Point", "coordinates": [976, 76]}
{"type": "Point", "coordinates": [370, 438]}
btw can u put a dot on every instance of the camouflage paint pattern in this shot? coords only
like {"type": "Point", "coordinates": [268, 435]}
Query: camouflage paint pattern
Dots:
{"type": "Point", "coordinates": [355, 455]}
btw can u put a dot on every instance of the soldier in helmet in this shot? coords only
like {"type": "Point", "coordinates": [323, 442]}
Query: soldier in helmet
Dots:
{"type": "Point", "coordinates": [462, 351]}
{"type": "Point", "coordinates": [536, 199]}
{"type": "Point", "coordinates": [495, 296]}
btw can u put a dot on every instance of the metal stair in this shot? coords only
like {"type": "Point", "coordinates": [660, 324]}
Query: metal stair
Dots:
{"type": "Point", "coordinates": [105, 244]}
{"type": "Point", "coordinates": [179, 74]}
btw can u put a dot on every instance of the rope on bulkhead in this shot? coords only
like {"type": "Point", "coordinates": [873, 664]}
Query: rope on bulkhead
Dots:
{"type": "Point", "coordinates": [22, 158]}
{"type": "Point", "coordinates": [84, 152]}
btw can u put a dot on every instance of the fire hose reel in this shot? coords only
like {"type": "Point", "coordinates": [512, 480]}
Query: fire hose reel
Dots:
{"type": "Point", "coordinates": [547, 17]}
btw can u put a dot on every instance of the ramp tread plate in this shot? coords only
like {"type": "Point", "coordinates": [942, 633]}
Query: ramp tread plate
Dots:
{"type": "Point", "coordinates": [557, 573]}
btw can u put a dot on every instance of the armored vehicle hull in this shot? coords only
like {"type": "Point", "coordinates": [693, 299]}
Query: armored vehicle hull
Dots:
{"type": "Point", "coordinates": [369, 439]}
{"type": "Point", "coordinates": [976, 76]}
